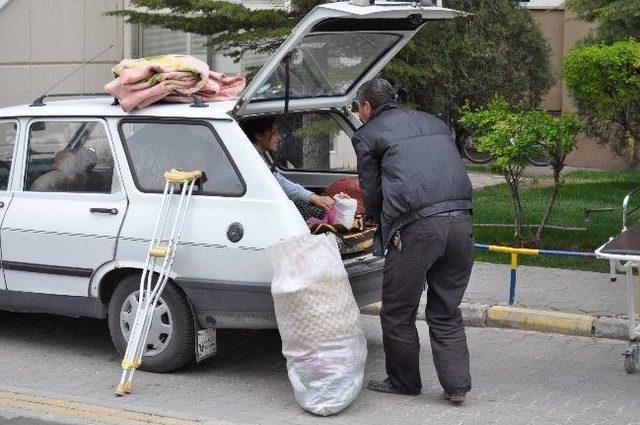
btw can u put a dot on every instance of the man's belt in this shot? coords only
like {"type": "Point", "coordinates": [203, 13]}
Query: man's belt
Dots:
{"type": "Point", "coordinates": [454, 213]}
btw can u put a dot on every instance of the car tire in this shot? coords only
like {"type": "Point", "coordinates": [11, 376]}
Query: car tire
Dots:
{"type": "Point", "coordinates": [179, 350]}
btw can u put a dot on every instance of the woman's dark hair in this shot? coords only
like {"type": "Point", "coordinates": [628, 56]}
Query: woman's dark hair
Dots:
{"type": "Point", "coordinates": [254, 126]}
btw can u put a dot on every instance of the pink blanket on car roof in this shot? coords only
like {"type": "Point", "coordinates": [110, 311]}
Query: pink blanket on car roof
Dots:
{"type": "Point", "coordinates": [141, 82]}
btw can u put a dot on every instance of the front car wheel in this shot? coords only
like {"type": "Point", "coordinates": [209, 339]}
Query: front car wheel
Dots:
{"type": "Point", "coordinates": [170, 343]}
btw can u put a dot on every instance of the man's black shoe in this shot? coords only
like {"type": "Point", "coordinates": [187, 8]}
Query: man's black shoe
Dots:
{"type": "Point", "coordinates": [455, 397]}
{"type": "Point", "coordinates": [386, 387]}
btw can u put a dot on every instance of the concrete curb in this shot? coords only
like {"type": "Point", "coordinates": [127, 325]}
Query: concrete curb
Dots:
{"type": "Point", "coordinates": [481, 315]}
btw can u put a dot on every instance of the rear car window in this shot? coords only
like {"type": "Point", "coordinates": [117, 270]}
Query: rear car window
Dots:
{"type": "Point", "coordinates": [154, 147]}
{"type": "Point", "coordinates": [327, 64]}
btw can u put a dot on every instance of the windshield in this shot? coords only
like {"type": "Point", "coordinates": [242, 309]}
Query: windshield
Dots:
{"type": "Point", "coordinates": [327, 64]}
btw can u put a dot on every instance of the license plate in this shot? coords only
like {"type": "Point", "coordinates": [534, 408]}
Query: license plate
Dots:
{"type": "Point", "coordinates": [206, 344]}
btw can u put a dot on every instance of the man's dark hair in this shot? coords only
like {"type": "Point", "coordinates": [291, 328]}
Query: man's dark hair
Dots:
{"type": "Point", "coordinates": [254, 126]}
{"type": "Point", "coordinates": [377, 92]}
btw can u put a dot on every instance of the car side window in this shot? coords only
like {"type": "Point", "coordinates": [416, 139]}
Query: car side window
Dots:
{"type": "Point", "coordinates": [8, 131]}
{"type": "Point", "coordinates": [69, 156]}
{"type": "Point", "coordinates": [154, 147]}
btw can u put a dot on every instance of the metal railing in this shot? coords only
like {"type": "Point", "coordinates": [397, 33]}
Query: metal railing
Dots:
{"type": "Point", "coordinates": [514, 253]}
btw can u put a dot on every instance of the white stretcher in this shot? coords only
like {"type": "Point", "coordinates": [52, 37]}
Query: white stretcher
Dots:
{"type": "Point", "coordinates": [623, 253]}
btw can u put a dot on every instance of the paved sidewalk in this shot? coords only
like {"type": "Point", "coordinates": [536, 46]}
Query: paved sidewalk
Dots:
{"type": "Point", "coordinates": [571, 291]}
{"type": "Point", "coordinates": [548, 300]}
{"type": "Point", "coordinates": [480, 180]}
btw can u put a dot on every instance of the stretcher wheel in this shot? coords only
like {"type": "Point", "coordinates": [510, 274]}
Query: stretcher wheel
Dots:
{"type": "Point", "coordinates": [631, 358]}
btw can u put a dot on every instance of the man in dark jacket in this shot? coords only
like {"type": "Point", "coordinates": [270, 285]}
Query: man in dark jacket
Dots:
{"type": "Point", "coordinates": [415, 187]}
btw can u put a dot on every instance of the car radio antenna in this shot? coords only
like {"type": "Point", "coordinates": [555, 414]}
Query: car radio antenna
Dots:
{"type": "Point", "coordinates": [39, 100]}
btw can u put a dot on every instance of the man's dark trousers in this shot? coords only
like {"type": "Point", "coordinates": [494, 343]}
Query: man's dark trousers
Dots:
{"type": "Point", "coordinates": [439, 248]}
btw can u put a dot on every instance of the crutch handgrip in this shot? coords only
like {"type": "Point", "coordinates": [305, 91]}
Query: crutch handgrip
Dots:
{"type": "Point", "coordinates": [159, 252]}
{"type": "Point", "coordinates": [178, 177]}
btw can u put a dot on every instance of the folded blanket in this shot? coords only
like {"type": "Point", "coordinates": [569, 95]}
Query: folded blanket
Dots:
{"type": "Point", "coordinates": [357, 239]}
{"type": "Point", "coordinates": [142, 82]}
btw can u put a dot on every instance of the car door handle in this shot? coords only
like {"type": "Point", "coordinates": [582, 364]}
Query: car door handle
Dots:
{"type": "Point", "coordinates": [112, 211]}
{"type": "Point", "coordinates": [1, 204]}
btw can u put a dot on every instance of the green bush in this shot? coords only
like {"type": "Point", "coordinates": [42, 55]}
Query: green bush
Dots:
{"type": "Point", "coordinates": [604, 81]}
{"type": "Point", "coordinates": [513, 135]}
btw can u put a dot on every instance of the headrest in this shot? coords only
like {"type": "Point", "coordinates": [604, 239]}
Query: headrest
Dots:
{"type": "Point", "coordinates": [77, 160]}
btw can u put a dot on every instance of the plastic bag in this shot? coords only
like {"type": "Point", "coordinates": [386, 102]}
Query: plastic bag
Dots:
{"type": "Point", "coordinates": [345, 211]}
{"type": "Point", "coordinates": [319, 323]}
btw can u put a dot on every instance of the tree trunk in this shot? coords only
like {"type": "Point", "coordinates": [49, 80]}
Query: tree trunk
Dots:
{"type": "Point", "coordinates": [512, 183]}
{"type": "Point", "coordinates": [552, 201]}
{"type": "Point", "coordinates": [635, 152]}
{"type": "Point", "coordinates": [315, 150]}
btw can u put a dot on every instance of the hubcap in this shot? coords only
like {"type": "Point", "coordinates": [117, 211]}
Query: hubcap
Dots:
{"type": "Point", "coordinates": [161, 328]}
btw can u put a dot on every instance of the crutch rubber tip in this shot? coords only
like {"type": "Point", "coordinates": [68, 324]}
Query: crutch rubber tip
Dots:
{"type": "Point", "coordinates": [128, 387]}
{"type": "Point", "coordinates": [120, 390]}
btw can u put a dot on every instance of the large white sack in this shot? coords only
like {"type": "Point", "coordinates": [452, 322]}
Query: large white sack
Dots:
{"type": "Point", "coordinates": [319, 323]}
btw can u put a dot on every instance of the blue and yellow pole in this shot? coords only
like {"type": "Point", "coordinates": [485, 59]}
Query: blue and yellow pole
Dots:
{"type": "Point", "coordinates": [515, 252]}
{"type": "Point", "coordinates": [512, 285]}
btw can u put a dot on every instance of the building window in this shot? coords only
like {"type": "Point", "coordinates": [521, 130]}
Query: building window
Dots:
{"type": "Point", "coordinates": [160, 41]}
{"type": "Point", "coordinates": [150, 41]}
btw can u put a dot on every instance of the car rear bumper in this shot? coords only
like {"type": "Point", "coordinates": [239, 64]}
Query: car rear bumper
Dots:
{"type": "Point", "coordinates": [240, 305]}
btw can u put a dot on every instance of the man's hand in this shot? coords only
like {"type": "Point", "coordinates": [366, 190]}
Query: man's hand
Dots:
{"type": "Point", "coordinates": [324, 202]}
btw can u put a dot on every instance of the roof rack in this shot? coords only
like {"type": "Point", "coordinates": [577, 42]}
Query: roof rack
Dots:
{"type": "Point", "coordinates": [40, 100]}
{"type": "Point", "coordinates": [197, 101]}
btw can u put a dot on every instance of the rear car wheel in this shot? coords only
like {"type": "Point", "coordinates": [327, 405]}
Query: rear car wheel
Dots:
{"type": "Point", "coordinates": [170, 344]}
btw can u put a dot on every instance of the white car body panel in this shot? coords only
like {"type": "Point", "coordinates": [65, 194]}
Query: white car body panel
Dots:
{"type": "Point", "coordinates": [205, 233]}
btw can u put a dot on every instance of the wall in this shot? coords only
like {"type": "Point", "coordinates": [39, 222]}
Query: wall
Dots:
{"type": "Point", "coordinates": [563, 31]}
{"type": "Point", "coordinates": [41, 41]}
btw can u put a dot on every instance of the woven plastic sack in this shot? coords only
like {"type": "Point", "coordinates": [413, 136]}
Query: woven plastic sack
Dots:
{"type": "Point", "coordinates": [319, 323]}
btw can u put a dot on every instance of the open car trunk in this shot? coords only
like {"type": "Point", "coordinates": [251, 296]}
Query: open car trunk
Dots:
{"type": "Point", "coordinates": [317, 70]}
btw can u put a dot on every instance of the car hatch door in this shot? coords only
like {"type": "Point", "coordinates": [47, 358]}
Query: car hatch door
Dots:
{"type": "Point", "coordinates": [333, 50]}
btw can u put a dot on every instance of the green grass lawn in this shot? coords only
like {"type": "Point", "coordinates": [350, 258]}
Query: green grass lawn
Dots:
{"type": "Point", "coordinates": [584, 189]}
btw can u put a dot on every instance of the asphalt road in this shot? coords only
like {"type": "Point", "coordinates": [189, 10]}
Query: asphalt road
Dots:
{"type": "Point", "coordinates": [519, 377]}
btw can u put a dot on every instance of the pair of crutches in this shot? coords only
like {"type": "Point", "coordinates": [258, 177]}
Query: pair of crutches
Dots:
{"type": "Point", "coordinates": [160, 250]}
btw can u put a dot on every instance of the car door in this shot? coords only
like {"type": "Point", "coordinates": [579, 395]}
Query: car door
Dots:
{"type": "Point", "coordinates": [333, 50]}
{"type": "Point", "coordinates": [8, 138]}
{"type": "Point", "coordinates": [65, 217]}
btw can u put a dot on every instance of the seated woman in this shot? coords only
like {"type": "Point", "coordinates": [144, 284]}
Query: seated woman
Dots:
{"type": "Point", "coordinates": [265, 135]}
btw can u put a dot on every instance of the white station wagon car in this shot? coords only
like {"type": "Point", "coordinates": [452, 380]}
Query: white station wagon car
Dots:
{"type": "Point", "coordinates": [76, 244]}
